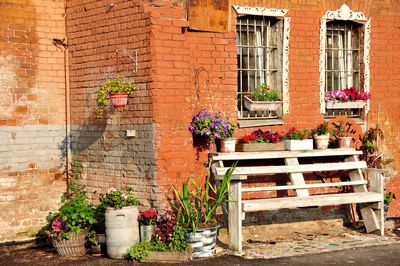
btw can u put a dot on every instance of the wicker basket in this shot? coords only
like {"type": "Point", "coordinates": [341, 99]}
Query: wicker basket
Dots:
{"type": "Point", "coordinates": [75, 246]}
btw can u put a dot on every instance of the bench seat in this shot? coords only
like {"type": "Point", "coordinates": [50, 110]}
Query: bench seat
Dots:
{"type": "Point", "coordinates": [309, 201]}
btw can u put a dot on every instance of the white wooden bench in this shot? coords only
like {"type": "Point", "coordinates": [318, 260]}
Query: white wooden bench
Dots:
{"type": "Point", "coordinates": [258, 164]}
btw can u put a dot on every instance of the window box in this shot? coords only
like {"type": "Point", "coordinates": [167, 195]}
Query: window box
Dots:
{"type": "Point", "coordinates": [260, 147]}
{"type": "Point", "coordinates": [345, 105]}
{"type": "Point", "coordinates": [298, 145]}
{"type": "Point", "coordinates": [254, 106]}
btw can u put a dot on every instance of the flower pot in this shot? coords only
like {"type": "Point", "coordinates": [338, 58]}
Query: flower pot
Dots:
{"type": "Point", "coordinates": [75, 246]}
{"type": "Point", "coordinates": [100, 247]}
{"type": "Point", "coordinates": [321, 141]}
{"type": "Point", "coordinates": [272, 106]}
{"type": "Point", "coordinates": [122, 230]}
{"type": "Point", "coordinates": [119, 99]}
{"type": "Point", "coordinates": [298, 145]}
{"type": "Point", "coordinates": [344, 142]}
{"type": "Point", "coordinates": [344, 105]}
{"type": "Point", "coordinates": [260, 147]}
{"type": "Point", "coordinates": [202, 241]}
{"type": "Point", "coordinates": [227, 145]}
{"type": "Point", "coordinates": [146, 232]}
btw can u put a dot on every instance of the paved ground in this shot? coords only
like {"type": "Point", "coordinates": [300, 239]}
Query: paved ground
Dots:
{"type": "Point", "coordinates": [334, 246]}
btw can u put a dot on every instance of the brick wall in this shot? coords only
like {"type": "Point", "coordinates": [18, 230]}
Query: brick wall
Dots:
{"type": "Point", "coordinates": [172, 60]}
{"type": "Point", "coordinates": [96, 30]}
{"type": "Point", "coordinates": [32, 115]}
{"type": "Point", "coordinates": [177, 53]}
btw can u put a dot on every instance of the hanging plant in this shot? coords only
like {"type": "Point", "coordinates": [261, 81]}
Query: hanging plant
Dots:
{"type": "Point", "coordinates": [117, 90]}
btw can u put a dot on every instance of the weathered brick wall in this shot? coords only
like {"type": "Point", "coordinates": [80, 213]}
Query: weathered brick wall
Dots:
{"type": "Point", "coordinates": [32, 115]}
{"type": "Point", "coordinates": [96, 29]}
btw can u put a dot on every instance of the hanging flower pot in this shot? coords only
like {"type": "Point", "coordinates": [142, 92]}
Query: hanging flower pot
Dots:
{"type": "Point", "coordinates": [119, 99]}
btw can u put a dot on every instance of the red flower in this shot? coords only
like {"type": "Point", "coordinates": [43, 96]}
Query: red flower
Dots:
{"type": "Point", "coordinates": [253, 136]}
{"type": "Point", "coordinates": [245, 139]}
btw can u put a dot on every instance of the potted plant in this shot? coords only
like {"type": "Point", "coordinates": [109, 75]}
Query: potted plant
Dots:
{"type": "Point", "coordinates": [297, 140]}
{"type": "Point", "coordinates": [263, 98]}
{"type": "Point", "coordinates": [343, 135]}
{"type": "Point", "coordinates": [68, 227]}
{"type": "Point", "coordinates": [260, 140]}
{"type": "Point", "coordinates": [122, 229]}
{"type": "Point", "coordinates": [147, 220]}
{"type": "Point", "coordinates": [117, 91]}
{"type": "Point", "coordinates": [196, 207]}
{"type": "Point", "coordinates": [348, 98]}
{"type": "Point", "coordinates": [211, 127]}
{"type": "Point", "coordinates": [321, 136]}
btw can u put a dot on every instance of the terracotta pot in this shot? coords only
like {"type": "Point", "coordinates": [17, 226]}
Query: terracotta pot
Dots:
{"type": "Point", "coordinates": [119, 99]}
{"type": "Point", "coordinates": [321, 141]}
{"type": "Point", "coordinates": [344, 142]}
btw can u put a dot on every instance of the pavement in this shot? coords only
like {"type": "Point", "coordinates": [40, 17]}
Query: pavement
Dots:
{"type": "Point", "coordinates": [321, 243]}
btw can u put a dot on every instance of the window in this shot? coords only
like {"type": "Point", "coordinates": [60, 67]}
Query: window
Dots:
{"type": "Point", "coordinates": [261, 60]}
{"type": "Point", "coordinates": [344, 61]}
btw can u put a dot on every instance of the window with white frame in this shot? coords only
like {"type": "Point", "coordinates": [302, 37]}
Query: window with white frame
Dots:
{"type": "Point", "coordinates": [344, 61]}
{"type": "Point", "coordinates": [261, 62]}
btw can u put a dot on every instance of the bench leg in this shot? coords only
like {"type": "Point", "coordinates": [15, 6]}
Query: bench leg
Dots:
{"type": "Point", "coordinates": [235, 216]}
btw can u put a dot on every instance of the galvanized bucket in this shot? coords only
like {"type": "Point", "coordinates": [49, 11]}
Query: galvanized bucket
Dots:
{"type": "Point", "coordinates": [203, 241]}
{"type": "Point", "coordinates": [122, 230]}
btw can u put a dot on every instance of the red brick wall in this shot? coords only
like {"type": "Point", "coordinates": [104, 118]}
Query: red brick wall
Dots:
{"type": "Point", "coordinates": [32, 115]}
{"type": "Point", "coordinates": [177, 53]}
{"type": "Point", "coordinates": [170, 55]}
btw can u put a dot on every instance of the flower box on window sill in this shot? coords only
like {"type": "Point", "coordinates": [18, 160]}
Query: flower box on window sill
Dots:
{"type": "Point", "coordinates": [254, 106]}
{"type": "Point", "coordinates": [260, 147]}
{"type": "Point", "coordinates": [345, 105]}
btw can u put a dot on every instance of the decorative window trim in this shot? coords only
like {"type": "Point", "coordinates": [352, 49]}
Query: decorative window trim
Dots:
{"type": "Point", "coordinates": [260, 11]}
{"type": "Point", "coordinates": [343, 13]}
{"type": "Point", "coordinates": [278, 13]}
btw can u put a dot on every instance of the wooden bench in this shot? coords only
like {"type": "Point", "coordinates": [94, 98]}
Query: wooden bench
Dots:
{"type": "Point", "coordinates": [259, 164]}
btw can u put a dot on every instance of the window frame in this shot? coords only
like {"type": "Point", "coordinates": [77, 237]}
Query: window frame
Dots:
{"type": "Point", "coordinates": [345, 14]}
{"type": "Point", "coordinates": [279, 14]}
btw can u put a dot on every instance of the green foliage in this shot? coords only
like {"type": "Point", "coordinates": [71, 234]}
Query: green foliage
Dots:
{"type": "Point", "coordinates": [118, 199]}
{"type": "Point", "coordinates": [176, 242]}
{"type": "Point", "coordinates": [92, 237]}
{"type": "Point", "coordinates": [76, 213]}
{"type": "Point", "coordinates": [322, 129]}
{"type": "Point", "coordinates": [264, 93]}
{"type": "Point", "coordinates": [110, 86]}
{"type": "Point", "coordinates": [198, 206]}
{"type": "Point", "coordinates": [388, 197]}
{"type": "Point", "coordinates": [139, 251]}
{"type": "Point", "coordinates": [295, 134]}
{"type": "Point", "coordinates": [372, 152]}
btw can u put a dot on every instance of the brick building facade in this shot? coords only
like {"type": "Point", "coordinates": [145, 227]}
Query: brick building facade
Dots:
{"type": "Point", "coordinates": [179, 71]}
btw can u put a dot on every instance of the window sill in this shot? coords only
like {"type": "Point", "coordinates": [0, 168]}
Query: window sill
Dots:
{"type": "Point", "coordinates": [258, 123]}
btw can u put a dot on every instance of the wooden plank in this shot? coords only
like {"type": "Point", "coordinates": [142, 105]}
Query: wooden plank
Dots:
{"type": "Point", "coordinates": [377, 185]}
{"type": "Point", "coordinates": [235, 217]}
{"type": "Point", "coordinates": [371, 221]}
{"type": "Point", "coordinates": [283, 154]}
{"type": "Point", "coordinates": [286, 169]}
{"type": "Point", "coordinates": [313, 200]}
{"type": "Point", "coordinates": [209, 15]}
{"type": "Point", "coordinates": [296, 178]}
{"type": "Point", "coordinates": [306, 186]}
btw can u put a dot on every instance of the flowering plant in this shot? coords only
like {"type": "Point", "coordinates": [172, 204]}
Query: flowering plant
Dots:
{"type": "Point", "coordinates": [264, 93]}
{"type": "Point", "coordinates": [259, 136]}
{"type": "Point", "coordinates": [349, 94]}
{"type": "Point", "coordinates": [213, 126]}
{"type": "Point", "coordinates": [295, 134]}
{"type": "Point", "coordinates": [76, 214]}
{"type": "Point", "coordinates": [118, 198]}
{"type": "Point", "coordinates": [147, 217]}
